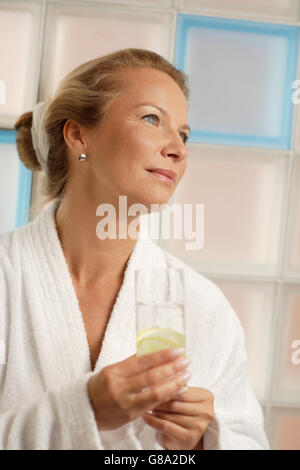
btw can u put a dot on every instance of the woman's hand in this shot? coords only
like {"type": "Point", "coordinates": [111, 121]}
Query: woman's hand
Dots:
{"type": "Point", "coordinates": [183, 420]}
{"type": "Point", "coordinates": [124, 391]}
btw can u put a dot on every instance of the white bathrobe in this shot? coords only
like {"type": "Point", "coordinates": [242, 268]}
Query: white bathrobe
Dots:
{"type": "Point", "coordinates": [45, 361]}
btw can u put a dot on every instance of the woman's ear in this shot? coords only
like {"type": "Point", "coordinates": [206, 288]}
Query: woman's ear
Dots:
{"type": "Point", "coordinates": [74, 137]}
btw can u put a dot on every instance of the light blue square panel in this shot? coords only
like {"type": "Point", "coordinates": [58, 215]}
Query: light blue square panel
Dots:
{"type": "Point", "coordinates": [240, 78]}
{"type": "Point", "coordinates": [15, 185]}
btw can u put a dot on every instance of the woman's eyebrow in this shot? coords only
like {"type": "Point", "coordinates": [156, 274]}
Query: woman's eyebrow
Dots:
{"type": "Point", "coordinates": [184, 126]}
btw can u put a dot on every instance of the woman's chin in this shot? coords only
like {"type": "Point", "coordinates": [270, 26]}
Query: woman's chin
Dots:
{"type": "Point", "coordinates": [155, 198]}
{"type": "Point", "coordinates": [150, 195]}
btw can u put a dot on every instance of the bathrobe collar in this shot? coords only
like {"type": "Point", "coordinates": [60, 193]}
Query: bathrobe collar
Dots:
{"type": "Point", "coordinates": [65, 318]}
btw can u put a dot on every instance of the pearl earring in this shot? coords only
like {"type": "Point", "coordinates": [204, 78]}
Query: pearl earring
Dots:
{"type": "Point", "coordinates": [82, 157]}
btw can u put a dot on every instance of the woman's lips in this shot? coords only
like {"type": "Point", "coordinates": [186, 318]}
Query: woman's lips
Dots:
{"type": "Point", "coordinates": [163, 177]}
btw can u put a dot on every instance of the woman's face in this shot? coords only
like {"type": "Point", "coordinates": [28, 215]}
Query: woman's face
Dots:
{"type": "Point", "coordinates": [136, 137]}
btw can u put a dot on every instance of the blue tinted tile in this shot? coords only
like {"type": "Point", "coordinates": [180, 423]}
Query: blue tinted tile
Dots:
{"type": "Point", "coordinates": [15, 184]}
{"type": "Point", "coordinates": [240, 77]}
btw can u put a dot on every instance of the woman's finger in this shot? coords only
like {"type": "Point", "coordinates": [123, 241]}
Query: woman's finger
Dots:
{"type": "Point", "coordinates": [160, 393]}
{"type": "Point", "coordinates": [190, 402]}
{"type": "Point", "coordinates": [185, 421]}
{"type": "Point", "coordinates": [135, 365]}
{"type": "Point", "coordinates": [157, 375]}
{"type": "Point", "coordinates": [169, 428]}
{"type": "Point", "coordinates": [180, 407]}
{"type": "Point", "coordinates": [195, 394]}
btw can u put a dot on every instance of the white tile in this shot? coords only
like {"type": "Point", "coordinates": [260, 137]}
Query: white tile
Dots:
{"type": "Point", "coordinates": [19, 51]}
{"type": "Point", "coordinates": [76, 34]}
{"type": "Point", "coordinates": [253, 304]}
{"type": "Point", "coordinates": [285, 9]}
{"type": "Point", "coordinates": [285, 426]}
{"type": "Point", "coordinates": [242, 192]}
{"type": "Point", "coordinates": [286, 380]}
{"type": "Point", "coordinates": [140, 3]}
{"type": "Point", "coordinates": [293, 239]}
{"type": "Point", "coordinates": [9, 181]}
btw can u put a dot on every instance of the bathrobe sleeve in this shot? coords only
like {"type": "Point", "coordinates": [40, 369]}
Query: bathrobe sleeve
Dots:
{"type": "Point", "coordinates": [62, 419]}
{"type": "Point", "coordinates": [239, 422]}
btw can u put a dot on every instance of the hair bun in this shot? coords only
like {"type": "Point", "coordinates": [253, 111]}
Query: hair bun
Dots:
{"type": "Point", "coordinates": [24, 142]}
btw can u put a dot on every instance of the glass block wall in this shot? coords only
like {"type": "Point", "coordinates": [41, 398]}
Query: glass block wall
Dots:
{"type": "Point", "coordinates": [242, 59]}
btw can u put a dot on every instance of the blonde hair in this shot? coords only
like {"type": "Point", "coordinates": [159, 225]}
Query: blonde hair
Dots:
{"type": "Point", "coordinates": [84, 96]}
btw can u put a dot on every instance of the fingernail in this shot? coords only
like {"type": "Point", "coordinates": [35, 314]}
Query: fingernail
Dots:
{"type": "Point", "coordinates": [182, 390]}
{"type": "Point", "coordinates": [176, 352]}
{"type": "Point", "coordinates": [185, 362]}
{"type": "Point", "coordinates": [186, 376]}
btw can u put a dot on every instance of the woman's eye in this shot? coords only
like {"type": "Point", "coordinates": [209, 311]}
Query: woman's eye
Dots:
{"type": "Point", "coordinates": [184, 136]}
{"type": "Point", "coordinates": [152, 115]}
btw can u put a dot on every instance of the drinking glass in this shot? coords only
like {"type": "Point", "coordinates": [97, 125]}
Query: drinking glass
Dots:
{"type": "Point", "coordinates": [160, 312]}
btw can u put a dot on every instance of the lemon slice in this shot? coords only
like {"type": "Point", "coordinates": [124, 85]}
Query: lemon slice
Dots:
{"type": "Point", "coordinates": [155, 339]}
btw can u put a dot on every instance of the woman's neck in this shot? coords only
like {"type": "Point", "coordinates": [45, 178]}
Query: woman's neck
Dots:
{"type": "Point", "coordinates": [91, 260]}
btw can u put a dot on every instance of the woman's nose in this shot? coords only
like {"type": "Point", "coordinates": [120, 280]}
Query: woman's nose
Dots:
{"type": "Point", "coordinates": [175, 148]}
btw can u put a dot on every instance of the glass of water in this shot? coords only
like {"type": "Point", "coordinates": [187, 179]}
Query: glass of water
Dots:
{"type": "Point", "coordinates": [160, 312]}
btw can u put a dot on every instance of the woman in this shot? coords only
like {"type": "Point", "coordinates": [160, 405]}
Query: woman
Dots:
{"type": "Point", "coordinates": [71, 379]}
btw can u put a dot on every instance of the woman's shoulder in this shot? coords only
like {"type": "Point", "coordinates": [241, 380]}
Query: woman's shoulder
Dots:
{"type": "Point", "coordinates": [7, 272]}
{"type": "Point", "coordinates": [5, 239]}
{"type": "Point", "coordinates": [198, 282]}
{"type": "Point", "coordinates": [15, 240]}
{"type": "Point", "coordinates": [204, 294]}
{"type": "Point", "coordinates": [5, 246]}
{"type": "Point", "coordinates": [11, 243]}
